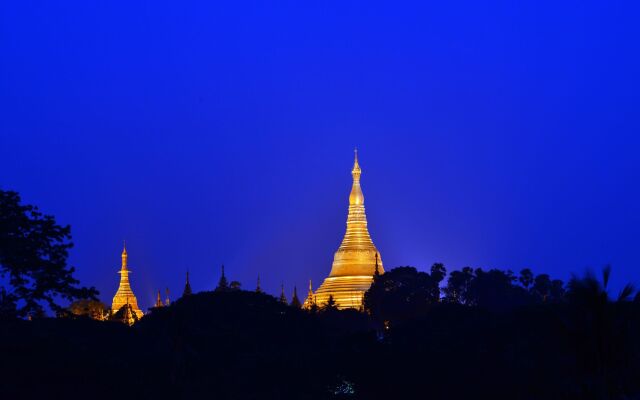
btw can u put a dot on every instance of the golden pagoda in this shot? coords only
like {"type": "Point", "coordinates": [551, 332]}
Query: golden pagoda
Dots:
{"type": "Point", "coordinates": [158, 301]}
{"type": "Point", "coordinates": [125, 295]}
{"type": "Point", "coordinates": [357, 259]}
{"type": "Point", "coordinates": [311, 298]}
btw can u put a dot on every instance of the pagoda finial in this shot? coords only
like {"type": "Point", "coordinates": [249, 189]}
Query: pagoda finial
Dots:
{"type": "Point", "coordinates": [356, 197]}
{"type": "Point", "coordinates": [356, 165]}
{"type": "Point", "coordinates": [167, 301]}
{"type": "Point", "coordinates": [258, 288]}
{"type": "Point", "coordinates": [158, 300]}
{"type": "Point", "coordinates": [377, 270]}
{"type": "Point", "coordinates": [125, 256]}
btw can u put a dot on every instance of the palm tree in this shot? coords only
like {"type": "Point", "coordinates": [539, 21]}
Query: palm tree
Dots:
{"type": "Point", "coordinates": [526, 278]}
{"type": "Point", "coordinates": [588, 290]}
{"type": "Point", "coordinates": [602, 329]}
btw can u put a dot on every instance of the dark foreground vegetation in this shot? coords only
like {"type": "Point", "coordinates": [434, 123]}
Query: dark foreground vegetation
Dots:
{"type": "Point", "coordinates": [482, 334]}
{"type": "Point", "coordinates": [246, 345]}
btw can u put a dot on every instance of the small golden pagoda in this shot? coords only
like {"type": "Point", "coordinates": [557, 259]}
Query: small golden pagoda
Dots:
{"type": "Point", "coordinates": [158, 301]}
{"type": "Point", "coordinates": [311, 298]}
{"type": "Point", "coordinates": [125, 295]}
{"type": "Point", "coordinates": [357, 259]}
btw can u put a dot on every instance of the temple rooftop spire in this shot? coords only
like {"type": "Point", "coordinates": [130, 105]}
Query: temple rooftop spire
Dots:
{"type": "Point", "coordinates": [309, 301]}
{"type": "Point", "coordinates": [356, 197]}
{"type": "Point", "coordinates": [295, 301]}
{"type": "Point", "coordinates": [158, 300]}
{"type": "Point", "coordinates": [283, 298]}
{"type": "Point", "coordinates": [124, 256]}
{"type": "Point", "coordinates": [187, 287]}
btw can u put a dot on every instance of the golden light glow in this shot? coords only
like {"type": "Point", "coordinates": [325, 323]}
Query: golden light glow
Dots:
{"type": "Point", "coordinates": [355, 261]}
{"type": "Point", "coordinates": [125, 295]}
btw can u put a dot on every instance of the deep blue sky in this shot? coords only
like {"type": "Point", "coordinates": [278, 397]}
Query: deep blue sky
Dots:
{"type": "Point", "coordinates": [496, 135]}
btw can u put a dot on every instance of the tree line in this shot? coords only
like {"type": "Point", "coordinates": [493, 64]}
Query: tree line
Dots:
{"type": "Point", "coordinates": [472, 333]}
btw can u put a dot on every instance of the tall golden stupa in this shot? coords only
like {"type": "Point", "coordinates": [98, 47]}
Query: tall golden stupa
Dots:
{"type": "Point", "coordinates": [355, 262]}
{"type": "Point", "coordinates": [125, 295]}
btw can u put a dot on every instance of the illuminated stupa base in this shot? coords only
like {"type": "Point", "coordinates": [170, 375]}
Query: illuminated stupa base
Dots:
{"type": "Point", "coordinates": [347, 291]}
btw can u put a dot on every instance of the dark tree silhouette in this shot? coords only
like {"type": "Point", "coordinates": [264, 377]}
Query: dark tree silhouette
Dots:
{"type": "Point", "coordinates": [125, 315]}
{"type": "Point", "coordinates": [584, 347]}
{"type": "Point", "coordinates": [605, 332]}
{"type": "Point", "coordinates": [33, 254]}
{"type": "Point", "coordinates": [8, 308]}
{"type": "Point", "coordinates": [498, 290]}
{"type": "Point", "coordinates": [330, 305]}
{"type": "Point", "coordinates": [438, 273]}
{"type": "Point", "coordinates": [93, 309]}
{"type": "Point", "coordinates": [313, 309]}
{"type": "Point", "coordinates": [401, 293]}
{"type": "Point", "coordinates": [458, 284]}
{"type": "Point", "coordinates": [557, 291]}
{"type": "Point", "coordinates": [542, 286]}
{"type": "Point", "coordinates": [526, 278]}
{"type": "Point", "coordinates": [495, 290]}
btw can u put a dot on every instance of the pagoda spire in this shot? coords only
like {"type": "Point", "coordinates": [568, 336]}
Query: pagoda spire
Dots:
{"type": "Point", "coordinates": [295, 301]}
{"type": "Point", "coordinates": [187, 287]}
{"type": "Point", "coordinates": [258, 288]}
{"type": "Point", "coordinates": [356, 197]}
{"type": "Point", "coordinates": [222, 283]}
{"type": "Point", "coordinates": [124, 256]}
{"type": "Point", "coordinates": [158, 300]}
{"type": "Point", "coordinates": [167, 302]}
{"type": "Point", "coordinates": [310, 300]}
{"type": "Point", "coordinates": [283, 298]}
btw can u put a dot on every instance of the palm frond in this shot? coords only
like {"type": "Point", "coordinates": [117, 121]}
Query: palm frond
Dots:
{"type": "Point", "coordinates": [626, 292]}
{"type": "Point", "coordinates": [606, 273]}
{"type": "Point", "coordinates": [586, 289]}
